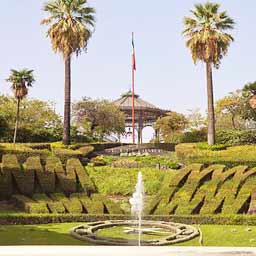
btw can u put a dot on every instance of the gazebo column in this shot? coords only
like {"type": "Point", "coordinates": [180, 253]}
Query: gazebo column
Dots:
{"type": "Point", "coordinates": [156, 134]}
{"type": "Point", "coordinates": [140, 127]}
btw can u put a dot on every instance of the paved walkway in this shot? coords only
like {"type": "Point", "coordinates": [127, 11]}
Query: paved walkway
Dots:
{"type": "Point", "coordinates": [124, 251]}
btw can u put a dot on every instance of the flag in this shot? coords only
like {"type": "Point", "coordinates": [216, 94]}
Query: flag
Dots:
{"type": "Point", "coordinates": [133, 55]}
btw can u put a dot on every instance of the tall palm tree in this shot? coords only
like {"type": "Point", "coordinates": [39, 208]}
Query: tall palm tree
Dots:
{"type": "Point", "coordinates": [208, 41]}
{"type": "Point", "coordinates": [20, 81]}
{"type": "Point", "coordinates": [71, 25]}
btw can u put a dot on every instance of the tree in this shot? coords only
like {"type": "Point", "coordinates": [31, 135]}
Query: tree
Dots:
{"type": "Point", "coordinates": [38, 121]}
{"type": "Point", "coordinates": [171, 125]}
{"type": "Point", "coordinates": [98, 117]}
{"type": "Point", "coordinates": [195, 120]}
{"type": "Point", "coordinates": [208, 41]}
{"type": "Point", "coordinates": [230, 106]}
{"type": "Point", "coordinates": [20, 81]}
{"type": "Point", "coordinates": [71, 27]}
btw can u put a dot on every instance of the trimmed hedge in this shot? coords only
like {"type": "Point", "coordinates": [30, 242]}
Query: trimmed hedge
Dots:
{"type": "Point", "coordinates": [232, 156]}
{"type": "Point", "coordinates": [23, 177]}
{"type": "Point", "coordinates": [66, 180]}
{"type": "Point", "coordinates": [91, 206]}
{"type": "Point", "coordinates": [84, 181]}
{"type": "Point", "coordinates": [72, 204]}
{"type": "Point", "coordinates": [33, 219]}
{"type": "Point", "coordinates": [29, 205]}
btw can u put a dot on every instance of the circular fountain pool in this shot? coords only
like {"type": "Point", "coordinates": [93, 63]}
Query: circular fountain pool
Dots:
{"type": "Point", "coordinates": [120, 232]}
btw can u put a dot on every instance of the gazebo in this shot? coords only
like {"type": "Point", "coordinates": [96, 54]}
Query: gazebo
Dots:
{"type": "Point", "coordinates": [146, 113]}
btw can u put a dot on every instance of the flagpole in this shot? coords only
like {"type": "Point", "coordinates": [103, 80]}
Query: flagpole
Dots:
{"type": "Point", "coordinates": [133, 103]}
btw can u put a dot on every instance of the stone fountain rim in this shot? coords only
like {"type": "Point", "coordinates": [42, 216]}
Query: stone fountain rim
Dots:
{"type": "Point", "coordinates": [88, 232]}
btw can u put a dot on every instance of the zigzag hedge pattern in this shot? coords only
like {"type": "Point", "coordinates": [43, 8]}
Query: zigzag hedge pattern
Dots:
{"type": "Point", "coordinates": [211, 190]}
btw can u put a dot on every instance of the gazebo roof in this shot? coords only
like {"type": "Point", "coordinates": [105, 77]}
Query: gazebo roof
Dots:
{"type": "Point", "coordinates": [125, 103]}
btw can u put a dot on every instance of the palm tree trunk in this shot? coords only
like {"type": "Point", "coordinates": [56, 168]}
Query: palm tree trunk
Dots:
{"type": "Point", "coordinates": [67, 103]}
{"type": "Point", "coordinates": [17, 120]}
{"type": "Point", "coordinates": [211, 116]}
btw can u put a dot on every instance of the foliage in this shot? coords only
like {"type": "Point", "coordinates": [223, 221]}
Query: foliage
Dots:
{"type": "Point", "coordinates": [236, 137]}
{"type": "Point", "coordinates": [20, 81]}
{"type": "Point", "coordinates": [171, 125]}
{"type": "Point", "coordinates": [98, 117]}
{"type": "Point", "coordinates": [71, 25]}
{"type": "Point", "coordinates": [98, 161]}
{"type": "Point", "coordinates": [206, 34]}
{"type": "Point", "coordinates": [215, 147]}
{"type": "Point", "coordinates": [232, 156]}
{"type": "Point", "coordinates": [38, 121]}
{"type": "Point", "coordinates": [196, 121]}
{"type": "Point", "coordinates": [193, 136]}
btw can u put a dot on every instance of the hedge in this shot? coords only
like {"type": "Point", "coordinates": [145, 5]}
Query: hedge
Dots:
{"type": "Point", "coordinates": [33, 219]}
{"type": "Point", "coordinates": [23, 177]}
{"type": "Point", "coordinates": [91, 206]}
{"type": "Point", "coordinates": [66, 180]}
{"type": "Point", "coordinates": [29, 205]}
{"type": "Point", "coordinates": [72, 204]}
{"type": "Point", "coordinates": [84, 181]}
{"type": "Point", "coordinates": [232, 156]}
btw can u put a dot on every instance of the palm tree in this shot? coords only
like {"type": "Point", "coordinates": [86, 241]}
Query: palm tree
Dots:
{"type": "Point", "coordinates": [71, 25]}
{"type": "Point", "coordinates": [20, 81]}
{"type": "Point", "coordinates": [208, 41]}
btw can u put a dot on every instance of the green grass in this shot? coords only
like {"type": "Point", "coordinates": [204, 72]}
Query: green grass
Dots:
{"type": "Point", "coordinates": [223, 235]}
{"type": "Point", "coordinates": [118, 232]}
{"type": "Point", "coordinates": [58, 234]}
{"type": "Point", "coordinates": [47, 234]}
{"type": "Point", "coordinates": [122, 181]}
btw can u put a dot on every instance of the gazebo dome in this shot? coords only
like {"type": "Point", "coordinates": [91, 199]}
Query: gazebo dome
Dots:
{"type": "Point", "coordinates": [146, 113]}
{"type": "Point", "coordinates": [125, 102]}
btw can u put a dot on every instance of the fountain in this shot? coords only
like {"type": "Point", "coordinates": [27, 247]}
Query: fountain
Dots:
{"type": "Point", "coordinates": [158, 232]}
{"type": "Point", "coordinates": [136, 202]}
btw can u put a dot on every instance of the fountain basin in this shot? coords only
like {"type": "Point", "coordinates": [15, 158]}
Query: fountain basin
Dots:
{"type": "Point", "coordinates": [171, 233]}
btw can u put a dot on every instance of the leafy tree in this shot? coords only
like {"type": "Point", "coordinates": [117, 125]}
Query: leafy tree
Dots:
{"type": "Point", "coordinates": [171, 125]}
{"type": "Point", "coordinates": [38, 120]}
{"type": "Point", "coordinates": [196, 121]}
{"type": "Point", "coordinates": [71, 23]}
{"type": "Point", "coordinates": [20, 81]}
{"type": "Point", "coordinates": [98, 117]}
{"type": "Point", "coordinates": [208, 41]}
{"type": "Point", "coordinates": [231, 107]}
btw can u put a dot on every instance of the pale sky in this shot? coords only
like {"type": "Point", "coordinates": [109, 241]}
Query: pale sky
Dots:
{"type": "Point", "coordinates": [166, 75]}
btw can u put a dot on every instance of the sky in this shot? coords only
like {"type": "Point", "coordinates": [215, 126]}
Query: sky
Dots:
{"type": "Point", "coordinates": [166, 75]}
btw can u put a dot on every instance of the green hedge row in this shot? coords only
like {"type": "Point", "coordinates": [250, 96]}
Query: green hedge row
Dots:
{"type": "Point", "coordinates": [33, 219]}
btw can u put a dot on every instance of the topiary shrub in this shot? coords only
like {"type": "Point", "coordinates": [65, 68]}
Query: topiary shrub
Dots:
{"type": "Point", "coordinates": [66, 180]}
{"type": "Point", "coordinates": [72, 204]}
{"type": "Point", "coordinates": [84, 182]}
{"type": "Point", "coordinates": [28, 205]}
{"type": "Point", "coordinates": [98, 161]}
{"type": "Point", "coordinates": [91, 206]}
{"type": "Point", "coordinates": [23, 177]}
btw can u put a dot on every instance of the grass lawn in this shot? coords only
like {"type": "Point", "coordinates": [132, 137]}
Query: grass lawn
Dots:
{"type": "Point", "coordinates": [58, 234]}
{"type": "Point", "coordinates": [221, 235]}
{"type": "Point", "coordinates": [47, 234]}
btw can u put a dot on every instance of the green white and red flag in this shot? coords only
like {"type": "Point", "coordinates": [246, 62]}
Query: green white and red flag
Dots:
{"type": "Point", "coordinates": [133, 54]}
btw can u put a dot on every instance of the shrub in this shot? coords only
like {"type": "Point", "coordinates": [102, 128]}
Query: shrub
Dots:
{"type": "Point", "coordinates": [194, 136]}
{"type": "Point", "coordinates": [91, 206]}
{"type": "Point", "coordinates": [232, 156]}
{"type": "Point", "coordinates": [215, 147]}
{"type": "Point", "coordinates": [65, 180]}
{"type": "Point", "coordinates": [53, 206]}
{"type": "Point", "coordinates": [72, 204]}
{"type": "Point", "coordinates": [98, 161]}
{"type": "Point", "coordinates": [24, 178]}
{"type": "Point", "coordinates": [236, 137]}
{"type": "Point", "coordinates": [84, 181]}
{"type": "Point", "coordinates": [29, 205]}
